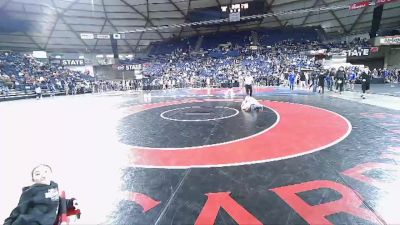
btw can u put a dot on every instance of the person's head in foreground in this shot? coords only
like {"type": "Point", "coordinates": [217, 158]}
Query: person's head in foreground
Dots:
{"type": "Point", "coordinates": [41, 203]}
{"type": "Point", "coordinates": [42, 174]}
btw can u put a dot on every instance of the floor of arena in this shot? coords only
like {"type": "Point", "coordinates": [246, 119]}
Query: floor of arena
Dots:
{"type": "Point", "coordinates": [191, 156]}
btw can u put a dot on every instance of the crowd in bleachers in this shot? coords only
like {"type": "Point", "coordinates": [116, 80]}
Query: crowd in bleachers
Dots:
{"type": "Point", "coordinates": [228, 58]}
{"type": "Point", "coordinates": [219, 68]}
{"type": "Point", "coordinates": [221, 59]}
{"type": "Point", "coordinates": [167, 47]}
{"type": "Point", "coordinates": [389, 75]}
{"type": "Point", "coordinates": [23, 73]}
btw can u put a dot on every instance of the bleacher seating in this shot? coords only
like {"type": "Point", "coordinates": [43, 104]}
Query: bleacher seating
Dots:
{"type": "Point", "coordinates": [168, 47]}
{"type": "Point", "coordinates": [241, 38]}
{"type": "Point", "coordinates": [19, 73]}
{"type": "Point", "coordinates": [279, 50]}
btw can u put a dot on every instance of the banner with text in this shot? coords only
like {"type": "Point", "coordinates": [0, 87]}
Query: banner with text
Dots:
{"type": "Point", "coordinates": [357, 52]}
{"type": "Point", "coordinates": [390, 40]}
{"type": "Point", "coordinates": [359, 5]}
{"type": "Point", "coordinates": [128, 67]}
{"type": "Point", "coordinates": [72, 62]}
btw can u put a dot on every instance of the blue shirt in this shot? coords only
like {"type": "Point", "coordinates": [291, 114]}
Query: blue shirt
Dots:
{"type": "Point", "coordinates": [292, 77]}
{"type": "Point", "coordinates": [352, 76]}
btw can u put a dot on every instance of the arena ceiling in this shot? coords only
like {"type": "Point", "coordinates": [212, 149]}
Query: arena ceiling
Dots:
{"type": "Point", "coordinates": [55, 25]}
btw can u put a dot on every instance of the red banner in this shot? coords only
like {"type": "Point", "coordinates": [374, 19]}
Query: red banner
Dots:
{"type": "Point", "coordinates": [384, 1]}
{"type": "Point", "coordinates": [359, 5]}
{"type": "Point", "coordinates": [374, 49]}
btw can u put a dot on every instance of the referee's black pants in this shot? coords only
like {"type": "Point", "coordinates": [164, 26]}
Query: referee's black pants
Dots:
{"type": "Point", "coordinates": [249, 89]}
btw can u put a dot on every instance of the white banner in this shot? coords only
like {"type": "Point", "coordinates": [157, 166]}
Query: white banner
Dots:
{"type": "Point", "coordinates": [116, 36]}
{"type": "Point", "coordinates": [390, 40]}
{"type": "Point", "coordinates": [102, 36]}
{"type": "Point", "coordinates": [129, 67]}
{"type": "Point", "coordinates": [87, 36]}
{"type": "Point", "coordinates": [357, 52]}
{"type": "Point", "coordinates": [39, 54]}
{"type": "Point", "coordinates": [253, 47]}
{"type": "Point", "coordinates": [317, 52]}
{"type": "Point", "coordinates": [73, 62]}
{"type": "Point", "coordinates": [234, 16]}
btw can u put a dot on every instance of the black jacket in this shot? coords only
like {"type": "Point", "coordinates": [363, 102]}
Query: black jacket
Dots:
{"type": "Point", "coordinates": [302, 76]}
{"type": "Point", "coordinates": [321, 79]}
{"type": "Point", "coordinates": [365, 78]}
{"type": "Point", "coordinates": [38, 205]}
{"type": "Point", "coordinates": [340, 74]}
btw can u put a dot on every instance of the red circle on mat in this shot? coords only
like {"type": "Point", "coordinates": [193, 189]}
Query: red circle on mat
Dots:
{"type": "Point", "coordinates": [300, 130]}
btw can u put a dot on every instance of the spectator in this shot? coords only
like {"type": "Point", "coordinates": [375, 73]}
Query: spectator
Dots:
{"type": "Point", "coordinates": [351, 79]}
{"type": "Point", "coordinates": [40, 203]}
{"type": "Point", "coordinates": [365, 82]}
{"type": "Point", "coordinates": [292, 79]}
{"type": "Point", "coordinates": [38, 91]}
{"type": "Point", "coordinates": [321, 81]}
{"type": "Point", "coordinates": [302, 80]}
{"type": "Point", "coordinates": [340, 79]}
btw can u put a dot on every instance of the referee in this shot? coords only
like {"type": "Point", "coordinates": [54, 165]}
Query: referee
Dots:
{"type": "Point", "coordinates": [248, 82]}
